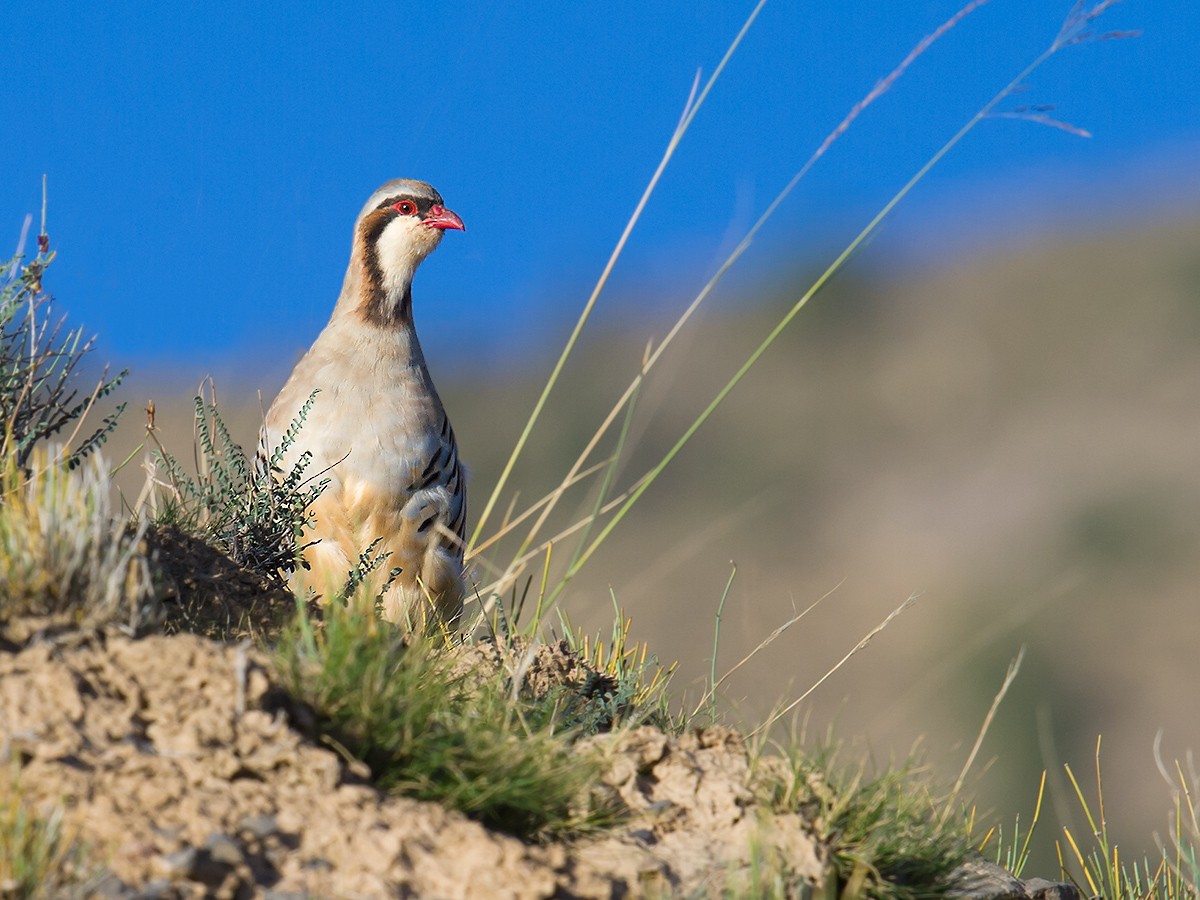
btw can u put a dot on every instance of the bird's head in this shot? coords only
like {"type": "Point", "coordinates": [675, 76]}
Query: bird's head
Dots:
{"type": "Point", "coordinates": [398, 227]}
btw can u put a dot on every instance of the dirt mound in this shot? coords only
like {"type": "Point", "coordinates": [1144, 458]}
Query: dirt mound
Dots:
{"type": "Point", "coordinates": [176, 762]}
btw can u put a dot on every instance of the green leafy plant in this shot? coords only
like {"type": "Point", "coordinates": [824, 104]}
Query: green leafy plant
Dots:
{"type": "Point", "coordinates": [39, 367]}
{"type": "Point", "coordinates": [255, 512]}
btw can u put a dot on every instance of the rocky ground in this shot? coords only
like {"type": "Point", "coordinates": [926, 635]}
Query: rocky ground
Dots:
{"type": "Point", "coordinates": [187, 772]}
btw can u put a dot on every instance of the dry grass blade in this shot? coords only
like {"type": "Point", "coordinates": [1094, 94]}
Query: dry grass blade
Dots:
{"type": "Point", "coordinates": [775, 634]}
{"type": "Point", "coordinates": [510, 523]}
{"type": "Point", "coordinates": [652, 358]}
{"type": "Point", "coordinates": [1010, 676]}
{"type": "Point", "coordinates": [693, 105]}
{"type": "Point", "coordinates": [517, 567]}
{"type": "Point", "coordinates": [867, 638]}
{"type": "Point", "coordinates": [1039, 118]}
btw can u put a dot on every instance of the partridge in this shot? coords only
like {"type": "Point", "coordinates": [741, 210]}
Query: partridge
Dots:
{"type": "Point", "coordinates": [377, 429]}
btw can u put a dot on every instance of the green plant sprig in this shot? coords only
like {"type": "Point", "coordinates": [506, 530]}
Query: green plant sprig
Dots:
{"type": "Point", "coordinates": [39, 363]}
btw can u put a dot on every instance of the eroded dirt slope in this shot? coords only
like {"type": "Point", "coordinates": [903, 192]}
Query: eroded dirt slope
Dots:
{"type": "Point", "coordinates": [184, 773]}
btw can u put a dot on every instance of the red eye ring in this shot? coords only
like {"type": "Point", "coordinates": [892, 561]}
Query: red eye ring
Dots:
{"type": "Point", "coordinates": [405, 207]}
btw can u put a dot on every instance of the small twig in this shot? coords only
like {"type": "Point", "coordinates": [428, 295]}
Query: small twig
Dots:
{"type": "Point", "coordinates": [1013, 668]}
{"type": "Point", "coordinates": [775, 717]}
{"type": "Point", "coordinates": [712, 663]}
{"type": "Point", "coordinates": [775, 634]}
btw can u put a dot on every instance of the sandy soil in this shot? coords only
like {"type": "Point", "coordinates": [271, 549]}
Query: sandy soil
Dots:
{"type": "Point", "coordinates": [187, 773]}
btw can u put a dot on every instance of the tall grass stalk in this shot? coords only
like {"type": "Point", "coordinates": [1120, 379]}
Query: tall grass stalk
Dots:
{"type": "Point", "coordinates": [500, 585]}
{"type": "Point", "coordinates": [511, 574]}
{"type": "Point", "coordinates": [1072, 32]}
{"type": "Point", "coordinates": [609, 475]}
{"type": "Point", "coordinates": [1104, 871]}
{"type": "Point", "coordinates": [711, 695]}
{"type": "Point", "coordinates": [775, 634]}
{"type": "Point", "coordinates": [510, 522]}
{"type": "Point", "coordinates": [693, 105]}
{"type": "Point", "coordinates": [861, 645]}
{"type": "Point", "coordinates": [1009, 677]}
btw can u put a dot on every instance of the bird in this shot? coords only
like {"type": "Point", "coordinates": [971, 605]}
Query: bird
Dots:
{"type": "Point", "coordinates": [376, 428]}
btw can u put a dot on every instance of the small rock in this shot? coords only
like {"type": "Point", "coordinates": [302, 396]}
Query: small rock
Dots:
{"type": "Point", "coordinates": [1041, 889]}
{"type": "Point", "coordinates": [979, 879]}
{"type": "Point", "coordinates": [223, 850]}
{"type": "Point", "coordinates": [261, 826]}
{"type": "Point", "coordinates": [210, 871]}
{"type": "Point", "coordinates": [211, 864]}
{"type": "Point", "coordinates": [178, 864]}
{"type": "Point", "coordinates": [158, 889]}
{"type": "Point", "coordinates": [109, 887]}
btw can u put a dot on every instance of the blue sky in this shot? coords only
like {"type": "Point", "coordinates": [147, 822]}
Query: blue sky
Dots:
{"type": "Point", "coordinates": [205, 163]}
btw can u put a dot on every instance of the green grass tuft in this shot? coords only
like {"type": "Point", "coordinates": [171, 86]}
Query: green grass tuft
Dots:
{"type": "Point", "coordinates": [37, 857]}
{"type": "Point", "coordinates": [1098, 867]}
{"type": "Point", "coordinates": [884, 830]}
{"type": "Point", "coordinates": [428, 730]}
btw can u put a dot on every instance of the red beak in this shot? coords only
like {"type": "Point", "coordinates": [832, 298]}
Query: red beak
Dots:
{"type": "Point", "coordinates": [440, 217]}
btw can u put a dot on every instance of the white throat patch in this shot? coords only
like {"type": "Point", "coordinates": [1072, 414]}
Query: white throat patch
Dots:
{"type": "Point", "coordinates": [400, 248]}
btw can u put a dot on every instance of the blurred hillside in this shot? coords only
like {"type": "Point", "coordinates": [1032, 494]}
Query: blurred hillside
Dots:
{"type": "Point", "coordinates": [1014, 438]}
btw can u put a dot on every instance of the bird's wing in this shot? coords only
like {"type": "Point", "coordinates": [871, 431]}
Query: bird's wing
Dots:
{"type": "Point", "coordinates": [438, 496]}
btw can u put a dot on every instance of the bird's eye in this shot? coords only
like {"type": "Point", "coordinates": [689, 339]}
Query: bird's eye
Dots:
{"type": "Point", "coordinates": [405, 207]}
